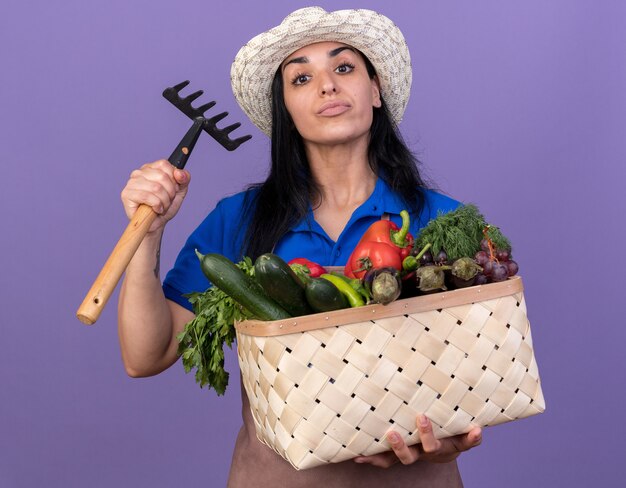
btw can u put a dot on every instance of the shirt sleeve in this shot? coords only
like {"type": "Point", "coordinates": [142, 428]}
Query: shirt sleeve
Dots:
{"type": "Point", "coordinates": [218, 233]}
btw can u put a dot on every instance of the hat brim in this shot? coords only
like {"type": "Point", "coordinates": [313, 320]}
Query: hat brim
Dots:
{"type": "Point", "coordinates": [376, 36]}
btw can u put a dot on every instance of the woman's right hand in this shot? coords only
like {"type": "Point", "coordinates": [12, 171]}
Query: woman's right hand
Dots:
{"type": "Point", "coordinates": [159, 185]}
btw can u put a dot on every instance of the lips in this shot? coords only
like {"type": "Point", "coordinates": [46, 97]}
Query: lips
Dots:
{"type": "Point", "coordinates": [335, 107]}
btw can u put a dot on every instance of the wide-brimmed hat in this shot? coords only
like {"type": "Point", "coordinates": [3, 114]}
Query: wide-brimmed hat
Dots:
{"type": "Point", "coordinates": [372, 33]}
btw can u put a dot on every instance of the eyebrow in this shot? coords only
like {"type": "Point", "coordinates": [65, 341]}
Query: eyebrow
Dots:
{"type": "Point", "coordinates": [331, 54]}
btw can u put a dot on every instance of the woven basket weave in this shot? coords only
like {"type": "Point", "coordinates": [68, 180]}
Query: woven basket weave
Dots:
{"type": "Point", "coordinates": [328, 387]}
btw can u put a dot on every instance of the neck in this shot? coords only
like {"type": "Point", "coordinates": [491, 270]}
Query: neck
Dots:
{"type": "Point", "coordinates": [343, 174]}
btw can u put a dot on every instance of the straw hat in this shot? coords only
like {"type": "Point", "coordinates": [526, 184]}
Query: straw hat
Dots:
{"type": "Point", "coordinates": [371, 33]}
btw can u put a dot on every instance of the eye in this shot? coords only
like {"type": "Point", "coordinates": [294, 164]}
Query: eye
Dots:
{"type": "Point", "coordinates": [300, 79]}
{"type": "Point", "coordinates": [345, 68]}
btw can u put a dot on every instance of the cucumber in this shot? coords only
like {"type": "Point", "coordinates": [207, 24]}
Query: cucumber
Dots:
{"type": "Point", "coordinates": [223, 273]}
{"type": "Point", "coordinates": [281, 283]}
{"type": "Point", "coordinates": [323, 296]}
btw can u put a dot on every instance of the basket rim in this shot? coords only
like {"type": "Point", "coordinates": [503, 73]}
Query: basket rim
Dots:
{"type": "Point", "coordinates": [424, 303]}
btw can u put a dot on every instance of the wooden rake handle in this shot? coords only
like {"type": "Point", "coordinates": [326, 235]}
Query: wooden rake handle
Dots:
{"type": "Point", "coordinates": [113, 269]}
{"type": "Point", "coordinates": [137, 228]}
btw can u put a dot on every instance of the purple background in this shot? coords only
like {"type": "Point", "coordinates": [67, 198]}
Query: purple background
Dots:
{"type": "Point", "coordinates": [519, 107]}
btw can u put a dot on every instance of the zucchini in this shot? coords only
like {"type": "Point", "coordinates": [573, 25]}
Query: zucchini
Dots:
{"type": "Point", "coordinates": [323, 296]}
{"type": "Point", "coordinates": [281, 284]}
{"type": "Point", "coordinates": [223, 273]}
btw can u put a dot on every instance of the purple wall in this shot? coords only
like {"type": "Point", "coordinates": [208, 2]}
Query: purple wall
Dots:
{"type": "Point", "coordinates": [518, 107]}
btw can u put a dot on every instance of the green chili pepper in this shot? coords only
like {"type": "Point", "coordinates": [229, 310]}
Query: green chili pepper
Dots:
{"type": "Point", "coordinates": [354, 298]}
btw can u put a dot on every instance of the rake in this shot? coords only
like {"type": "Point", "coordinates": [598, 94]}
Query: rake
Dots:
{"type": "Point", "coordinates": [110, 274]}
{"type": "Point", "coordinates": [210, 126]}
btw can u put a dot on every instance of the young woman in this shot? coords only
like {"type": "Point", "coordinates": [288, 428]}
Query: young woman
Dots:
{"type": "Point", "coordinates": [329, 87]}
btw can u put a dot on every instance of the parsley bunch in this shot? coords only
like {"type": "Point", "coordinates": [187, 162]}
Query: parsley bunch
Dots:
{"type": "Point", "coordinates": [201, 344]}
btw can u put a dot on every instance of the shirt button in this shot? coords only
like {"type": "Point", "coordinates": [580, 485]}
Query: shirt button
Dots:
{"type": "Point", "coordinates": [338, 252]}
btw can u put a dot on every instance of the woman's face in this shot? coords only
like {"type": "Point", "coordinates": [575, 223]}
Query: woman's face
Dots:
{"type": "Point", "coordinates": [329, 93]}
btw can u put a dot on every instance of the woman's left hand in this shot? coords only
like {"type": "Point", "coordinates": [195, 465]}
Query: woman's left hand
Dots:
{"type": "Point", "coordinates": [431, 449]}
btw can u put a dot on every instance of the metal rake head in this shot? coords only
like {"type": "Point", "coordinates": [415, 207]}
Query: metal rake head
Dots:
{"type": "Point", "coordinates": [210, 125]}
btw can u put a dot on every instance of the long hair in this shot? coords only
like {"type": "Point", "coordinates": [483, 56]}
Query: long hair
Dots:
{"type": "Point", "coordinates": [283, 199]}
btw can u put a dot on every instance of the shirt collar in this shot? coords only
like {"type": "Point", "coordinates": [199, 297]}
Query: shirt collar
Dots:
{"type": "Point", "coordinates": [382, 200]}
{"type": "Point", "coordinates": [389, 200]}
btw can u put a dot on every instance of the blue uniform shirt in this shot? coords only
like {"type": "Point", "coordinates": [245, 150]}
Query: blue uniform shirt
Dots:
{"type": "Point", "coordinates": [224, 228]}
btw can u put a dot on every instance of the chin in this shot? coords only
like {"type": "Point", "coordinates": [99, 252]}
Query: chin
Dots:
{"type": "Point", "coordinates": [337, 134]}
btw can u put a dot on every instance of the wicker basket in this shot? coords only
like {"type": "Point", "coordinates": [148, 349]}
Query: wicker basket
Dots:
{"type": "Point", "coordinates": [326, 388]}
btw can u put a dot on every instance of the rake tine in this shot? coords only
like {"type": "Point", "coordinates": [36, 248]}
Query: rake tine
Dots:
{"type": "Point", "coordinates": [216, 118]}
{"type": "Point", "coordinates": [203, 108]}
{"type": "Point", "coordinates": [230, 128]}
{"type": "Point", "coordinates": [234, 144]}
{"type": "Point", "coordinates": [190, 98]}
{"type": "Point", "coordinates": [171, 95]}
{"type": "Point", "coordinates": [180, 86]}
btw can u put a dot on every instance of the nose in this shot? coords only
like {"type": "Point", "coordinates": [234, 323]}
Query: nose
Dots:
{"type": "Point", "coordinates": [327, 85]}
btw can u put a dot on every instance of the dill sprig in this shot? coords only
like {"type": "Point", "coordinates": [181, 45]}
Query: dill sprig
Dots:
{"type": "Point", "coordinates": [459, 233]}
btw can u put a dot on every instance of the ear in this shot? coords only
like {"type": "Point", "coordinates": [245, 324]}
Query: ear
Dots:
{"type": "Point", "coordinates": [375, 92]}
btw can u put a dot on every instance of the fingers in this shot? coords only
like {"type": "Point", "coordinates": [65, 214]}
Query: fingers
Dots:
{"type": "Point", "coordinates": [400, 453]}
{"type": "Point", "coordinates": [429, 443]}
{"type": "Point", "coordinates": [182, 177]}
{"type": "Point", "coordinates": [155, 184]}
{"type": "Point", "coordinates": [157, 177]}
{"type": "Point", "coordinates": [467, 441]}
{"type": "Point", "coordinates": [444, 450]}
{"type": "Point", "coordinates": [404, 453]}
{"type": "Point", "coordinates": [430, 449]}
{"type": "Point", "coordinates": [382, 460]}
